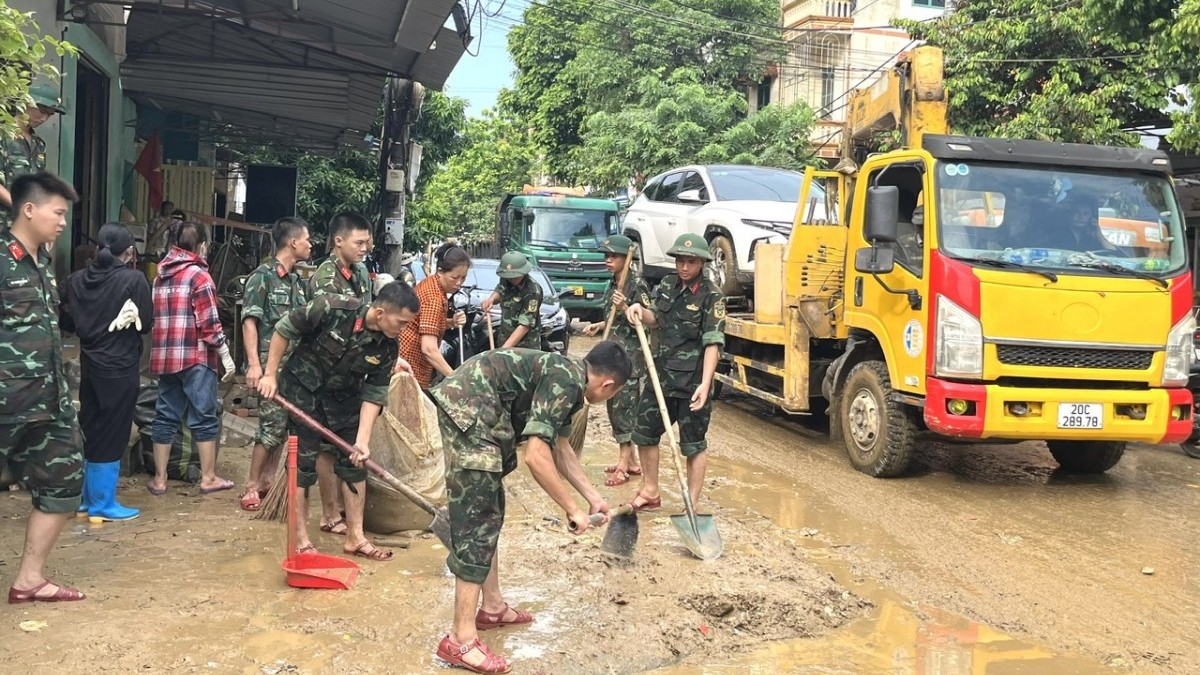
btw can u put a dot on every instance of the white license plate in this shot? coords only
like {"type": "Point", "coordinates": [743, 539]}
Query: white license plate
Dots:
{"type": "Point", "coordinates": [1080, 416]}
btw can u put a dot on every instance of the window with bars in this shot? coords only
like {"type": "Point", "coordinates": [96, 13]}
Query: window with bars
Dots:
{"type": "Point", "coordinates": [764, 92]}
{"type": "Point", "coordinates": [940, 4]}
{"type": "Point", "coordinates": [828, 83]}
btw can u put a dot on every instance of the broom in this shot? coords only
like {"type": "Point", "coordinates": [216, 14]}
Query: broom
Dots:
{"type": "Point", "coordinates": [580, 421]}
{"type": "Point", "coordinates": [274, 506]}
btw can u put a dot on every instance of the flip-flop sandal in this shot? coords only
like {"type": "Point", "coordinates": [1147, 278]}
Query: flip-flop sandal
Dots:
{"type": "Point", "coordinates": [331, 528]}
{"type": "Point", "coordinates": [376, 553]}
{"type": "Point", "coordinates": [63, 594]}
{"type": "Point", "coordinates": [311, 548]}
{"type": "Point", "coordinates": [617, 478]}
{"type": "Point", "coordinates": [251, 501]}
{"type": "Point", "coordinates": [157, 492]}
{"type": "Point", "coordinates": [488, 620]}
{"type": "Point", "coordinates": [648, 504]}
{"type": "Point", "coordinates": [453, 653]}
{"type": "Point", "coordinates": [224, 485]}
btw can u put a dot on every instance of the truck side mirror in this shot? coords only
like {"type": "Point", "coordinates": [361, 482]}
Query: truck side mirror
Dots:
{"type": "Point", "coordinates": [874, 260]}
{"type": "Point", "coordinates": [883, 212]}
{"type": "Point", "coordinates": [505, 225]}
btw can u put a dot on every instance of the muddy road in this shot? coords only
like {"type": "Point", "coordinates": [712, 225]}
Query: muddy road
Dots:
{"type": "Point", "coordinates": [984, 560]}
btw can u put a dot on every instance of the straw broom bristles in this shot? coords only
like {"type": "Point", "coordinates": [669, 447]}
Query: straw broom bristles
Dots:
{"type": "Point", "coordinates": [274, 506]}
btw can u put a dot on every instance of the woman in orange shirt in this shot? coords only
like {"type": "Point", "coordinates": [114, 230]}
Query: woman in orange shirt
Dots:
{"type": "Point", "coordinates": [420, 343]}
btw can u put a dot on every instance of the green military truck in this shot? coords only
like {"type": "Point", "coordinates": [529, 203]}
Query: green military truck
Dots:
{"type": "Point", "coordinates": [560, 234]}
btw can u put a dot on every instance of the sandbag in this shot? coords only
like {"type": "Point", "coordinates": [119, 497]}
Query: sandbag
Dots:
{"type": "Point", "coordinates": [406, 442]}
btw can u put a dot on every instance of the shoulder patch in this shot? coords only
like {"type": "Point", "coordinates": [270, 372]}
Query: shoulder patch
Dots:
{"type": "Point", "coordinates": [533, 306]}
{"type": "Point", "coordinates": [719, 309]}
{"type": "Point", "coordinates": [338, 301]}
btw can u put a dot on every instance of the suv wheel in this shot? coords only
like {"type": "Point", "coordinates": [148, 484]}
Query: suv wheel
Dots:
{"type": "Point", "coordinates": [723, 268]}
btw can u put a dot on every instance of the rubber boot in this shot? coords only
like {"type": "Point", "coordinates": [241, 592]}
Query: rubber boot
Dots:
{"type": "Point", "coordinates": [85, 501]}
{"type": "Point", "coordinates": [102, 486]}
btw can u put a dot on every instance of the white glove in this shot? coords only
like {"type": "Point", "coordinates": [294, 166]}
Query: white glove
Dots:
{"type": "Point", "coordinates": [128, 316]}
{"type": "Point", "coordinates": [381, 280]}
{"type": "Point", "coordinates": [226, 362]}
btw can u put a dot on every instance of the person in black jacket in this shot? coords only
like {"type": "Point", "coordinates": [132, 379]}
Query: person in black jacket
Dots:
{"type": "Point", "coordinates": [108, 305]}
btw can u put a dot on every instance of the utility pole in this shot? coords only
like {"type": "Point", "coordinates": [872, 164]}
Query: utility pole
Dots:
{"type": "Point", "coordinates": [399, 162]}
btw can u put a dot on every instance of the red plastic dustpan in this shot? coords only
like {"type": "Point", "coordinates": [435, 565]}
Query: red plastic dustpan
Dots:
{"type": "Point", "coordinates": [311, 570]}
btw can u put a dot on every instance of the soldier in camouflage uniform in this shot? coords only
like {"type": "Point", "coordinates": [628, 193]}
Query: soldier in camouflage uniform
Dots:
{"type": "Point", "coordinates": [689, 312]}
{"type": "Point", "coordinates": [339, 374]}
{"type": "Point", "coordinates": [272, 290]}
{"type": "Point", "coordinates": [39, 436]}
{"type": "Point", "coordinates": [343, 272]}
{"type": "Point", "coordinates": [485, 408]}
{"type": "Point", "coordinates": [26, 153]}
{"type": "Point", "coordinates": [520, 299]}
{"type": "Point", "coordinates": [622, 408]}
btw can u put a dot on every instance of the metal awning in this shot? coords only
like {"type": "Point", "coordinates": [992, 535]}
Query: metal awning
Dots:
{"type": "Point", "coordinates": [310, 71]}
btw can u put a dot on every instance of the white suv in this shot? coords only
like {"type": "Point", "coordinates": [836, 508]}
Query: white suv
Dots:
{"type": "Point", "coordinates": [733, 207]}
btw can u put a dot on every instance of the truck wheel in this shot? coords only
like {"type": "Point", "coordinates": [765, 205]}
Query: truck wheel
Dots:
{"type": "Point", "coordinates": [880, 435]}
{"type": "Point", "coordinates": [1086, 456]}
{"type": "Point", "coordinates": [1191, 448]}
{"type": "Point", "coordinates": [724, 266]}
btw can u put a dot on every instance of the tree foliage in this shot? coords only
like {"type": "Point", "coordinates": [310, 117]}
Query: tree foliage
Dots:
{"type": "Point", "coordinates": [22, 50]}
{"type": "Point", "coordinates": [1076, 70]}
{"type": "Point", "coordinates": [681, 120]}
{"type": "Point", "coordinates": [575, 58]}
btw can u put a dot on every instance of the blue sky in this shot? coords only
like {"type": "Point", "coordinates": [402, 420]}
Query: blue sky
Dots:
{"type": "Point", "coordinates": [480, 78]}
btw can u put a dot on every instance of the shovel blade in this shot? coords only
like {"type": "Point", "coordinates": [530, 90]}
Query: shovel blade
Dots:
{"type": "Point", "coordinates": [441, 526]}
{"type": "Point", "coordinates": [699, 534]}
{"type": "Point", "coordinates": [621, 538]}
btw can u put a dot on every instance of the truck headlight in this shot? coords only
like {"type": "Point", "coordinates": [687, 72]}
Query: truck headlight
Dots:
{"type": "Point", "coordinates": [959, 342]}
{"type": "Point", "coordinates": [1180, 352]}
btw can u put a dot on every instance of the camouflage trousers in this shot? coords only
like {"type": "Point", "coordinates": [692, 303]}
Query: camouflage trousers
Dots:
{"type": "Point", "coordinates": [693, 426]}
{"type": "Point", "coordinates": [336, 414]}
{"type": "Point", "coordinates": [46, 456]}
{"type": "Point", "coordinates": [272, 420]}
{"type": "Point", "coordinates": [623, 410]}
{"type": "Point", "coordinates": [476, 503]}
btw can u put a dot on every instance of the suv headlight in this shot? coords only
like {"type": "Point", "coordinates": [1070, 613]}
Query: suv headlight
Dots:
{"type": "Point", "coordinates": [959, 342]}
{"type": "Point", "coordinates": [776, 226]}
{"type": "Point", "coordinates": [1180, 352]}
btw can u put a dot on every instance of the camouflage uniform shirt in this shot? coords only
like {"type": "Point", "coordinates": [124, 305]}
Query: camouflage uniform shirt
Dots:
{"type": "Point", "coordinates": [17, 158]}
{"type": "Point", "coordinates": [690, 317]}
{"type": "Point", "coordinates": [333, 277]}
{"type": "Point", "coordinates": [636, 292]}
{"type": "Point", "coordinates": [521, 306]}
{"type": "Point", "coordinates": [506, 395]}
{"type": "Point", "coordinates": [33, 380]}
{"type": "Point", "coordinates": [335, 354]}
{"type": "Point", "coordinates": [271, 292]}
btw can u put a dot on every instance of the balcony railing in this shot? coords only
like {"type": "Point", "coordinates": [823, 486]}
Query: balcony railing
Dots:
{"type": "Point", "coordinates": [837, 9]}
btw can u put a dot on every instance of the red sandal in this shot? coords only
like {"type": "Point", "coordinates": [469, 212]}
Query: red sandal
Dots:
{"type": "Point", "coordinates": [648, 503]}
{"type": "Point", "coordinates": [453, 653]}
{"type": "Point", "coordinates": [63, 594]}
{"type": "Point", "coordinates": [488, 620]}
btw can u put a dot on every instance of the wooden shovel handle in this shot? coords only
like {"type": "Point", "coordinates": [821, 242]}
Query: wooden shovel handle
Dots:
{"type": "Point", "coordinates": [612, 311]}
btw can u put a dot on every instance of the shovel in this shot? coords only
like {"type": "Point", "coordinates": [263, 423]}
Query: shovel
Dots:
{"type": "Point", "coordinates": [310, 569]}
{"type": "Point", "coordinates": [622, 535]}
{"type": "Point", "coordinates": [699, 531]}
{"type": "Point", "coordinates": [441, 517]}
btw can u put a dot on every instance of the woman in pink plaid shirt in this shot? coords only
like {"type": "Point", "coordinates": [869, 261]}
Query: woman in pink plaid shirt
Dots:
{"type": "Point", "coordinates": [186, 343]}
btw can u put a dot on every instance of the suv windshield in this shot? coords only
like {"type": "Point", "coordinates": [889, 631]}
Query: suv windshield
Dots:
{"type": "Point", "coordinates": [1049, 217]}
{"type": "Point", "coordinates": [568, 228]}
{"type": "Point", "coordinates": [735, 183]}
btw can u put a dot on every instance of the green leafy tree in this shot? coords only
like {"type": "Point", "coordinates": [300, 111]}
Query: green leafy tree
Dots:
{"type": "Point", "coordinates": [22, 51]}
{"type": "Point", "coordinates": [1078, 71]}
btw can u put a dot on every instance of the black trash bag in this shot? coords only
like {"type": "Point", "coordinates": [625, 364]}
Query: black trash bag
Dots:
{"type": "Point", "coordinates": [181, 465]}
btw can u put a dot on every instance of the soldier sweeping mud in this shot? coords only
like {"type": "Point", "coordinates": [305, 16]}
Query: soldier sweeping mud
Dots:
{"type": "Point", "coordinates": [339, 374]}
{"type": "Point", "coordinates": [485, 408]}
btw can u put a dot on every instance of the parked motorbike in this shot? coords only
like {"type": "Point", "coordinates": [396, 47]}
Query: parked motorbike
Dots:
{"type": "Point", "coordinates": [1191, 447]}
{"type": "Point", "coordinates": [474, 332]}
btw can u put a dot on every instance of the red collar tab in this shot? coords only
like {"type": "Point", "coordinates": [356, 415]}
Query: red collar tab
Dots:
{"type": "Point", "coordinates": [358, 325]}
{"type": "Point", "coordinates": [280, 271]}
{"type": "Point", "coordinates": [346, 273]}
{"type": "Point", "coordinates": [17, 251]}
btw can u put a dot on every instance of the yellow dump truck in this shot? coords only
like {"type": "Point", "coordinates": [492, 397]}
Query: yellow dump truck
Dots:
{"type": "Point", "coordinates": [975, 288]}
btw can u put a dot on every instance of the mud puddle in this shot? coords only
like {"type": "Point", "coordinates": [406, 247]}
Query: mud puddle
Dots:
{"type": "Point", "coordinates": [896, 636]}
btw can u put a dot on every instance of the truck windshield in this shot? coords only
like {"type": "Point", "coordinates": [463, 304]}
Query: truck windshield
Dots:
{"type": "Point", "coordinates": [1048, 217]}
{"type": "Point", "coordinates": [568, 228]}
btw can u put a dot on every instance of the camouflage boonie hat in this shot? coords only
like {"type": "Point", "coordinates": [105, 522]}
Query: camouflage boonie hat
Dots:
{"type": "Point", "coordinates": [47, 95]}
{"type": "Point", "coordinates": [617, 243]}
{"type": "Point", "coordinates": [514, 264]}
{"type": "Point", "coordinates": [690, 244]}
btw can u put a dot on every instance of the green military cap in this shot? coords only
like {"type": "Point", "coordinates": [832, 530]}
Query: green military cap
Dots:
{"type": "Point", "coordinates": [514, 264]}
{"type": "Point", "coordinates": [617, 243]}
{"type": "Point", "coordinates": [47, 95]}
{"type": "Point", "coordinates": [690, 244]}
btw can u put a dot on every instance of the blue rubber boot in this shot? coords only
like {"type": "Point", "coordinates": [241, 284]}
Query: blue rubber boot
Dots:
{"type": "Point", "coordinates": [85, 501]}
{"type": "Point", "coordinates": [101, 481]}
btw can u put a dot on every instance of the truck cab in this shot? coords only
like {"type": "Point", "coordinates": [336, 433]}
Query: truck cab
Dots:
{"type": "Point", "coordinates": [560, 233]}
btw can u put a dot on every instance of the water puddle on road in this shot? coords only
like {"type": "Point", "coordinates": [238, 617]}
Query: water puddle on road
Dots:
{"type": "Point", "coordinates": [898, 637]}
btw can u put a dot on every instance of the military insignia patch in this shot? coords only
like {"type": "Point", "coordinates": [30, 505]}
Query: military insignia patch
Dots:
{"type": "Point", "coordinates": [508, 267]}
{"type": "Point", "coordinates": [280, 271]}
{"type": "Point", "coordinates": [719, 309]}
{"type": "Point", "coordinates": [533, 306]}
{"type": "Point", "coordinates": [687, 244]}
{"type": "Point", "coordinates": [346, 273]}
{"type": "Point", "coordinates": [358, 324]}
{"type": "Point", "coordinates": [16, 250]}
{"type": "Point", "coordinates": [693, 308]}
{"type": "Point", "coordinates": [373, 360]}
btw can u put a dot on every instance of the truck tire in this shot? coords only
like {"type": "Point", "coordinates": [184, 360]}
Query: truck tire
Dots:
{"type": "Point", "coordinates": [879, 434]}
{"type": "Point", "coordinates": [724, 266]}
{"type": "Point", "coordinates": [1086, 456]}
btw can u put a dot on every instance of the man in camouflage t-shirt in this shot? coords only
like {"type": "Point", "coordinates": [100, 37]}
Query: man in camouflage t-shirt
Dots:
{"type": "Point", "coordinates": [485, 408]}
{"type": "Point", "coordinates": [343, 272]}
{"type": "Point", "coordinates": [272, 290]}
{"type": "Point", "coordinates": [520, 298]}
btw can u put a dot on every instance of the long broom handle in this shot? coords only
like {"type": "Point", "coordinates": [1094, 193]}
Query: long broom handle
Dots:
{"type": "Point", "coordinates": [487, 320]}
{"type": "Point", "coordinates": [612, 311]}
{"type": "Point", "coordinates": [666, 417]}
{"type": "Point", "coordinates": [340, 443]}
